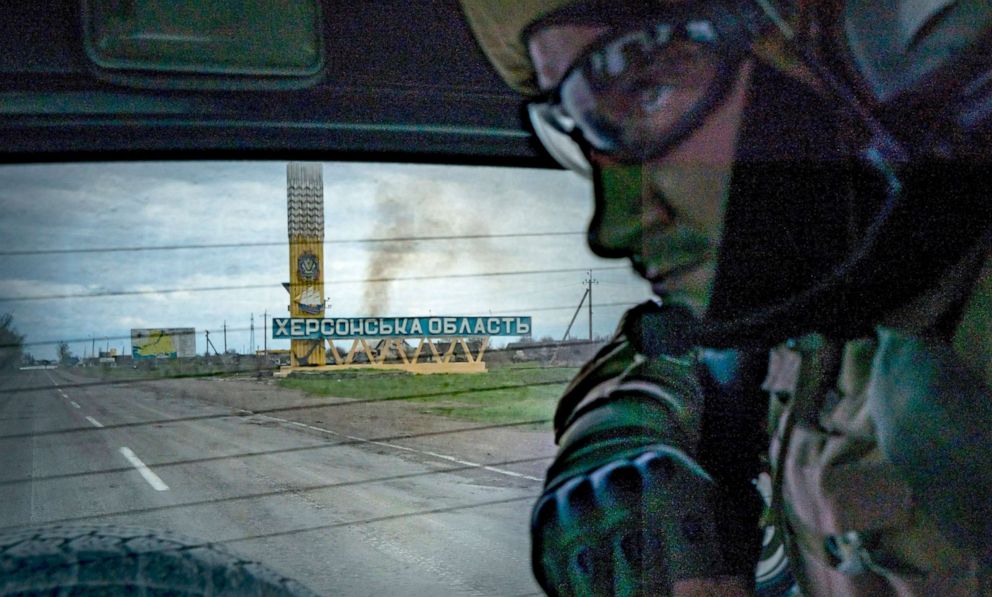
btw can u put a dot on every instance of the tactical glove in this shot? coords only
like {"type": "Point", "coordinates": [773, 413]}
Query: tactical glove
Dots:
{"type": "Point", "coordinates": [626, 509]}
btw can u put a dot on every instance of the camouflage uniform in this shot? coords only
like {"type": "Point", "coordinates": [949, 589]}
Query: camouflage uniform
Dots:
{"type": "Point", "coordinates": [880, 448]}
{"type": "Point", "coordinates": [884, 453]}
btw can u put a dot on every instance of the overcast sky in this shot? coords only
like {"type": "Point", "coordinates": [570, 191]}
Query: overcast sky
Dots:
{"type": "Point", "coordinates": [87, 206]}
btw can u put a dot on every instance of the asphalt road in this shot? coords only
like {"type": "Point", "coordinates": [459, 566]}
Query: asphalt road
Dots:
{"type": "Point", "coordinates": [343, 515]}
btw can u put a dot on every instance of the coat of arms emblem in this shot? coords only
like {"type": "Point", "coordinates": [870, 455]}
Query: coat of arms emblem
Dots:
{"type": "Point", "coordinates": [307, 266]}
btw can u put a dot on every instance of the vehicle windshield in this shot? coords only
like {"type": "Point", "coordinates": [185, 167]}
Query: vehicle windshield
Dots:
{"type": "Point", "coordinates": [148, 378]}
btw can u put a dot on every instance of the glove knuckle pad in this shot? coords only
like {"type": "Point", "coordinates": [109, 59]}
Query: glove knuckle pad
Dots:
{"type": "Point", "coordinates": [647, 519]}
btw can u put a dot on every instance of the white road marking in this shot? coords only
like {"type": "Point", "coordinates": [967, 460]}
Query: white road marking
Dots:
{"type": "Point", "coordinates": [503, 471]}
{"type": "Point", "coordinates": [298, 424]}
{"type": "Point", "coordinates": [74, 403]}
{"type": "Point", "coordinates": [385, 444]}
{"type": "Point", "coordinates": [154, 480]}
{"type": "Point", "coordinates": [94, 421]}
{"type": "Point", "coordinates": [451, 458]}
{"type": "Point", "coordinates": [406, 449]}
{"type": "Point", "coordinates": [478, 465]}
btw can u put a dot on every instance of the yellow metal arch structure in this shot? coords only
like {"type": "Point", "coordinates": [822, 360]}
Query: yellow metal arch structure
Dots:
{"type": "Point", "coordinates": [426, 358]}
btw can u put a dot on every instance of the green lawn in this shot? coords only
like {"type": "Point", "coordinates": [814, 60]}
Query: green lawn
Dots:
{"type": "Point", "coordinates": [508, 394]}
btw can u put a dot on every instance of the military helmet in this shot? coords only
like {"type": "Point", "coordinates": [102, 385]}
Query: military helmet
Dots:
{"type": "Point", "coordinates": [500, 29]}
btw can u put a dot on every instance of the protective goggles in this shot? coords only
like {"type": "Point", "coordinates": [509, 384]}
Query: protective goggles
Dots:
{"type": "Point", "coordinates": [650, 81]}
{"type": "Point", "coordinates": [923, 75]}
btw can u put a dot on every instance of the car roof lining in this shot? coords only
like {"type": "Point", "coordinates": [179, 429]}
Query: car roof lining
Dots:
{"type": "Point", "coordinates": [403, 81]}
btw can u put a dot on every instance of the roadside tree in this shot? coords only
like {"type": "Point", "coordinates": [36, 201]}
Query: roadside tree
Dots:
{"type": "Point", "coordinates": [65, 355]}
{"type": "Point", "coordinates": [11, 342]}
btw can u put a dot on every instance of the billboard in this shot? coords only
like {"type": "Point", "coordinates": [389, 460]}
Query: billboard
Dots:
{"type": "Point", "coordinates": [163, 343]}
{"type": "Point", "coordinates": [339, 328]}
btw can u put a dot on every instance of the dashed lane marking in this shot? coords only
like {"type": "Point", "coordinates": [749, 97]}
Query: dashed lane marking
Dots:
{"type": "Point", "coordinates": [94, 421]}
{"type": "Point", "coordinates": [404, 448]}
{"type": "Point", "coordinates": [482, 466]}
{"type": "Point", "coordinates": [154, 480]}
{"type": "Point", "coordinates": [74, 403]}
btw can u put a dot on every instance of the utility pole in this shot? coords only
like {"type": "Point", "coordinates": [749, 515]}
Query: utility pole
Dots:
{"type": "Point", "coordinates": [574, 315]}
{"type": "Point", "coordinates": [251, 337]}
{"type": "Point", "coordinates": [210, 344]}
{"type": "Point", "coordinates": [265, 332]}
{"type": "Point", "coordinates": [589, 282]}
{"type": "Point", "coordinates": [554, 356]}
{"type": "Point", "coordinates": [225, 337]}
{"type": "Point", "coordinates": [92, 345]}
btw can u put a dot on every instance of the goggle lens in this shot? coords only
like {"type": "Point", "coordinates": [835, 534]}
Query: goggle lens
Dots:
{"type": "Point", "coordinates": [628, 97]}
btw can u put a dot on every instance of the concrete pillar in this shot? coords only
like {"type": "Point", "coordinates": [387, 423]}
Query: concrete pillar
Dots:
{"type": "Point", "coordinates": [305, 196]}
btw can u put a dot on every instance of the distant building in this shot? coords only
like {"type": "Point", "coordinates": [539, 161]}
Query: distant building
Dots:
{"type": "Point", "coordinates": [275, 356]}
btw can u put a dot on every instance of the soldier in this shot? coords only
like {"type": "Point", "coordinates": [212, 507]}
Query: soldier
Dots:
{"type": "Point", "coordinates": [750, 185]}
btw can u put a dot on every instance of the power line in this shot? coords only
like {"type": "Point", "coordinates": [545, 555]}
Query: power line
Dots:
{"type": "Point", "coordinates": [230, 329]}
{"type": "Point", "coordinates": [111, 293]}
{"type": "Point", "coordinates": [387, 518]}
{"type": "Point", "coordinates": [73, 430]}
{"type": "Point", "coordinates": [347, 523]}
{"type": "Point", "coordinates": [530, 498]}
{"type": "Point", "coordinates": [240, 245]}
{"type": "Point", "coordinates": [391, 360]}
{"type": "Point", "coordinates": [251, 496]}
{"type": "Point", "coordinates": [293, 450]}
{"type": "Point", "coordinates": [568, 307]}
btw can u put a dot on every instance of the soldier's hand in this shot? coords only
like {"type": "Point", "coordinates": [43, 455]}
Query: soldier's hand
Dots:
{"type": "Point", "coordinates": [626, 509]}
{"type": "Point", "coordinates": [640, 524]}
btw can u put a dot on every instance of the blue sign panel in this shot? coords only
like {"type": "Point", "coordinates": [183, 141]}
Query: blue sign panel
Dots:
{"type": "Point", "coordinates": [340, 328]}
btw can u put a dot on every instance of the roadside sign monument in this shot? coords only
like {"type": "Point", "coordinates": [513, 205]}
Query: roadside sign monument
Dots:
{"type": "Point", "coordinates": [305, 213]}
{"type": "Point", "coordinates": [438, 339]}
{"type": "Point", "coordinates": [312, 334]}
